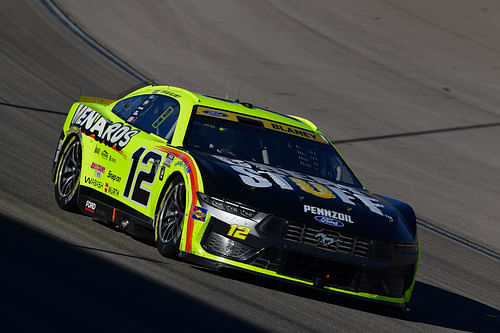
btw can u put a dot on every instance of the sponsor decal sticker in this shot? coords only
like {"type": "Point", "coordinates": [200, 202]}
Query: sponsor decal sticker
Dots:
{"type": "Point", "coordinates": [215, 113]}
{"type": "Point", "coordinates": [91, 123]}
{"type": "Point", "coordinates": [98, 169]}
{"type": "Point", "coordinates": [331, 215]}
{"type": "Point", "coordinates": [94, 182]}
{"type": "Point", "coordinates": [105, 155]}
{"type": "Point", "coordinates": [162, 172]}
{"type": "Point", "coordinates": [263, 176]}
{"type": "Point", "coordinates": [199, 213]}
{"type": "Point", "coordinates": [183, 164]}
{"type": "Point", "coordinates": [271, 125]}
{"type": "Point", "coordinates": [90, 206]}
{"type": "Point", "coordinates": [313, 188]}
{"type": "Point", "coordinates": [113, 176]}
{"type": "Point", "coordinates": [293, 131]}
{"type": "Point", "coordinates": [168, 160]}
{"type": "Point", "coordinates": [111, 190]}
{"type": "Point", "coordinates": [165, 92]}
{"type": "Point", "coordinates": [329, 221]}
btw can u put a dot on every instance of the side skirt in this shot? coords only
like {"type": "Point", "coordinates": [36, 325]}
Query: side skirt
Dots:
{"type": "Point", "coordinates": [106, 209]}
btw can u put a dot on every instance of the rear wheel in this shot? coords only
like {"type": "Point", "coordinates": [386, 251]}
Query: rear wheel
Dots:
{"type": "Point", "coordinates": [68, 175]}
{"type": "Point", "coordinates": [170, 219]}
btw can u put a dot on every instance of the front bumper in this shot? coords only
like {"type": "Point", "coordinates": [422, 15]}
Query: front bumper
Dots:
{"type": "Point", "coordinates": [283, 249]}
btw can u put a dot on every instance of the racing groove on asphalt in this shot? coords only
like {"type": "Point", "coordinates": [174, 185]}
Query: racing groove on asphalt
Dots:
{"type": "Point", "coordinates": [64, 271]}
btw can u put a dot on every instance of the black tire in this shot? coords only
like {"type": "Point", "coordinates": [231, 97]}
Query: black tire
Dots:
{"type": "Point", "coordinates": [170, 219]}
{"type": "Point", "coordinates": [67, 178]}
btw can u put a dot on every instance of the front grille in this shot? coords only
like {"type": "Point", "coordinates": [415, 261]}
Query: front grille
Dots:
{"type": "Point", "coordinates": [218, 244]}
{"type": "Point", "coordinates": [307, 267]}
{"type": "Point", "coordinates": [328, 240]}
{"type": "Point", "coordinates": [269, 258]}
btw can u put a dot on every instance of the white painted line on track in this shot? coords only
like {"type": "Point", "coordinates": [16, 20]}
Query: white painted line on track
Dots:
{"type": "Point", "coordinates": [94, 44]}
{"type": "Point", "coordinates": [472, 245]}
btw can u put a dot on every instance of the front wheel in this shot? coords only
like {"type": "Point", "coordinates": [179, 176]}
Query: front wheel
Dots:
{"type": "Point", "coordinates": [170, 219]}
{"type": "Point", "coordinates": [68, 175]}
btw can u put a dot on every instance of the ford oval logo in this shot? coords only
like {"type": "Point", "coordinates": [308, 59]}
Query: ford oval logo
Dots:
{"type": "Point", "coordinates": [214, 113]}
{"type": "Point", "coordinates": [329, 221]}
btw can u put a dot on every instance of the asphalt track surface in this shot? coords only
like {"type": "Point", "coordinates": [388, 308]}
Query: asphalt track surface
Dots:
{"type": "Point", "coordinates": [409, 89]}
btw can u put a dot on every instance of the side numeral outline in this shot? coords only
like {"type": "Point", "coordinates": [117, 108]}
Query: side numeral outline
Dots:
{"type": "Point", "coordinates": [134, 190]}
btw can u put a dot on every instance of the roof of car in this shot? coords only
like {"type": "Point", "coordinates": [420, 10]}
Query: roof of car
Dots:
{"type": "Point", "coordinates": [227, 105]}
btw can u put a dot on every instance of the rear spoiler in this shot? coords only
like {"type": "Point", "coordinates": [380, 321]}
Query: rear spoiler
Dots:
{"type": "Point", "coordinates": [100, 100]}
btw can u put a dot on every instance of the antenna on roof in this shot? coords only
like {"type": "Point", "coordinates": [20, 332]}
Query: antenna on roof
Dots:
{"type": "Point", "coordinates": [238, 96]}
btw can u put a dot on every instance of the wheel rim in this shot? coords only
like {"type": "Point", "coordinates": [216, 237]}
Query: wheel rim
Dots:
{"type": "Point", "coordinates": [172, 214]}
{"type": "Point", "coordinates": [69, 173]}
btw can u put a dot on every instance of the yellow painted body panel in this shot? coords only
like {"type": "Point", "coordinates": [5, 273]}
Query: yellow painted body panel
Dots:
{"type": "Point", "coordinates": [118, 168]}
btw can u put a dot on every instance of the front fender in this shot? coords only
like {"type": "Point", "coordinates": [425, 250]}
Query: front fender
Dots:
{"type": "Point", "coordinates": [408, 214]}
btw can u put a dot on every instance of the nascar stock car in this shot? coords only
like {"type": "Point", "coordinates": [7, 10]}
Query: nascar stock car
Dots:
{"type": "Point", "coordinates": [226, 184]}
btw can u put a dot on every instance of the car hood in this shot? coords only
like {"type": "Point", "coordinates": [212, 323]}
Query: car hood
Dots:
{"type": "Point", "coordinates": [305, 199]}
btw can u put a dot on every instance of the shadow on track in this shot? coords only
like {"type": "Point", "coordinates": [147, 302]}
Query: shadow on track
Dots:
{"type": "Point", "coordinates": [30, 108]}
{"type": "Point", "coordinates": [47, 285]}
{"type": "Point", "coordinates": [402, 135]}
{"type": "Point", "coordinates": [430, 305]}
{"type": "Point", "coordinates": [436, 306]}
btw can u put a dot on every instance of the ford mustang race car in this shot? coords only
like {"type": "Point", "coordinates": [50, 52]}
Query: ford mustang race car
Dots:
{"type": "Point", "coordinates": [226, 184]}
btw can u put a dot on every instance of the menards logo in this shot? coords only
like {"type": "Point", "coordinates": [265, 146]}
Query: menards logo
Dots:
{"type": "Point", "coordinates": [116, 135]}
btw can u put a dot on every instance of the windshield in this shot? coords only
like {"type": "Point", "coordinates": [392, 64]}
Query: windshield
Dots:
{"type": "Point", "coordinates": [267, 142]}
{"type": "Point", "coordinates": [151, 113]}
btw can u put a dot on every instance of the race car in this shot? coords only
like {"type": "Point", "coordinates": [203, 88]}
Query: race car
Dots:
{"type": "Point", "coordinates": [225, 184]}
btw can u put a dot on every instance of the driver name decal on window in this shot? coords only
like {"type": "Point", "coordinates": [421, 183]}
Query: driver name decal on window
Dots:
{"type": "Point", "coordinates": [293, 131]}
{"type": "Point", "coordinates": [272, 125]}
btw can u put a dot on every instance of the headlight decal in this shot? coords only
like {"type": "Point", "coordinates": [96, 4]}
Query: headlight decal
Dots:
{"type": "Point", "coordinates": [228, 206]}
{"type": "Point", "coordinates": [406, 247]}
